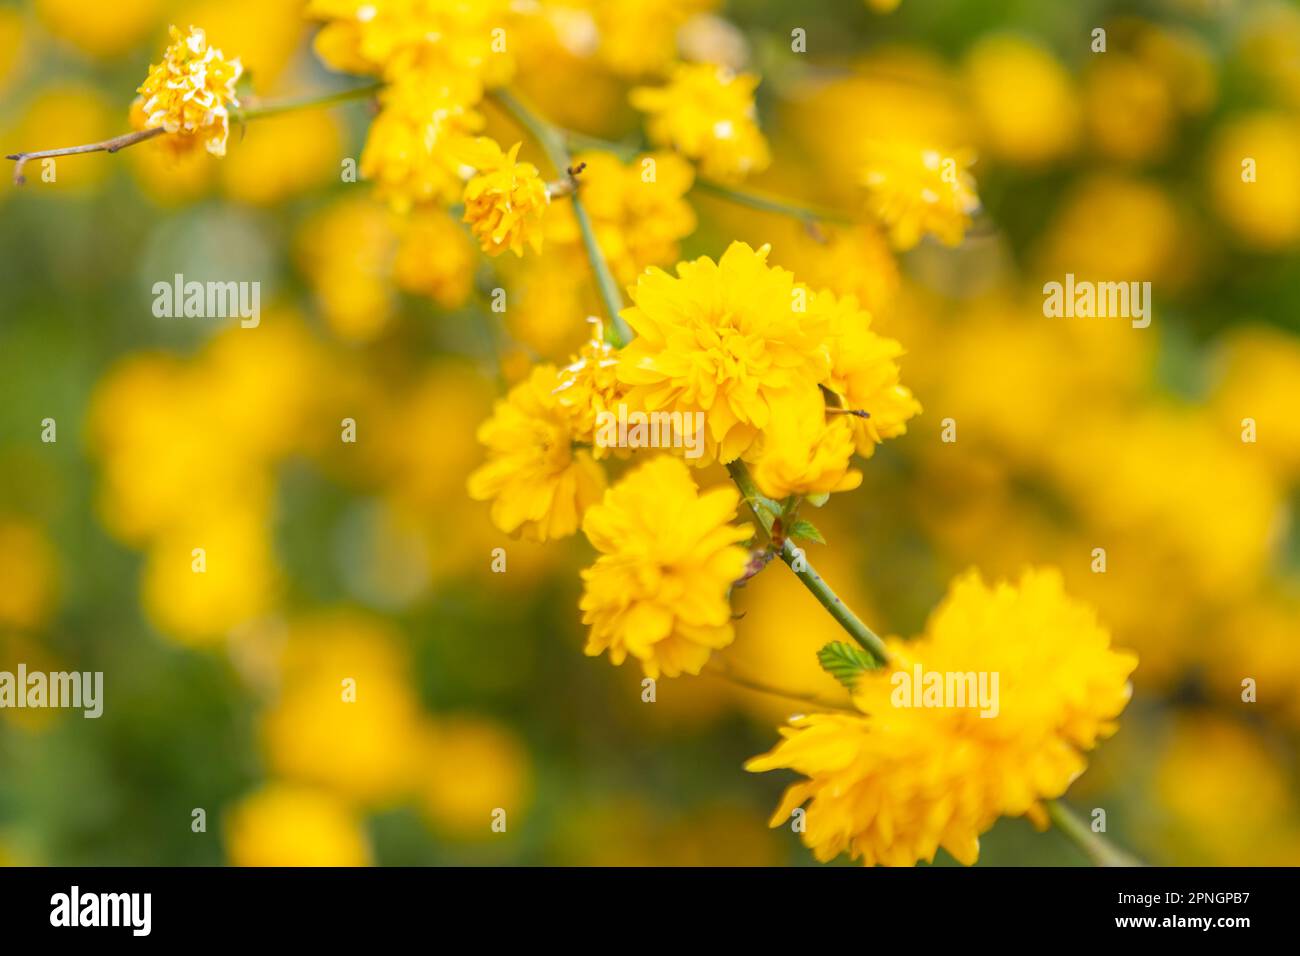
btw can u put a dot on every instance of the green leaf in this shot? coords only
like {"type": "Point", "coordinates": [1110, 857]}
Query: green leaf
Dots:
{"type": "Point", "coordinates": [805, 530]}
{"type": "Point", "coordinates": [817, 500]}
{"type": "Point", "coordinates": [845, 662]}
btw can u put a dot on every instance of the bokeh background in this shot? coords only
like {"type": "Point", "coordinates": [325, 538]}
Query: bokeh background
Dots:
{"type": "Point", "coordinates": [369, 560]}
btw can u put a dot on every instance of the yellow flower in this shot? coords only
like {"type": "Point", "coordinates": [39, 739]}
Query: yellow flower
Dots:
{"type": "Point", "coordinates": [640, 36]}
{"type": "Point", "coordinates": [187, 94]}
{"type": "Point", "coordinates": [505, 204]}
{"type": "Point", "coordinates": [539, 485]}
{"type": "Point", "coordinates": [916, 190]}
{"type": "Point", "coordinates": [900, 781]}
{"type": "Point", "coordinates": [864, 373]}
{"type": "Point", "coordinates": [725, 339]}
{"type": "Point", "coordinates": [1025, 100]}
{"type": "Point", "coordinates": [707, 113]}
{"type": "Point", "coordinates": [346, 250]}
{"type": "Point", "coordinates": [408, 151]}
{"type": "Point", "coordinates": [659, 590]}
{"type": "Point", "coordinates": [397, 37]}
{"type": "Point", "coordinates": [588, 386]}
{"type": "Point", "coordinates": [360, 746]}
{"type": "Point", "coordinates": [435, 258]}
{"type": "Point", "coordinates": [1252, 183]}
{"type": "Point", "coordinates": [287, 825]}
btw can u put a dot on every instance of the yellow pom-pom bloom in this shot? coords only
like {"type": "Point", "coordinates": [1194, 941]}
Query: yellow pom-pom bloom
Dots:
{"type": "Point", "coordinates": [409, 149]}
{"type": "Point", "coordinates": [659, 590]}
{"type": "Point", "coordinates": [865, 373]}
{"type": "Point", "coordinates": [894, 785]}
{"type": "Point", "coordinates": [538, 483]}
{"type": "Point", "coordinates": [397, 37]}
{"type": "Point", "coordinates": [805, 450]}
{"type": "Point", "coordinates": [505, 204]}
{"type": "Point", "coordinates": [189, 92]}
{"type": "Point", "coordinates": [707, 113]}
{"type": "Point", "coordinates": [917, 190]}
{"type": "Point", "coordinates": [726, 339]}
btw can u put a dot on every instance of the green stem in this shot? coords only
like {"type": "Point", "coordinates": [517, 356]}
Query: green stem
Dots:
{"type": "Point", "coordinates": [259, 110]}
{"type": "Point", "coordinates": [806, 573]}
{"type": "Point", "coordinates": [552, 141]}
{"type": "Point", "coordinates": [1094, 845]}
{"type": "Point", "coordinates": [805, 212]}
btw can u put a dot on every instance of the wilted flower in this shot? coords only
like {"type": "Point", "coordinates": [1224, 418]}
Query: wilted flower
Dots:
{"type": "Point", "coordinates": [189, 91]}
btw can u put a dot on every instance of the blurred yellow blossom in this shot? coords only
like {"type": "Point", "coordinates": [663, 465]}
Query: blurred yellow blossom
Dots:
{"type": "Point", "coordinates": [1024, 98]}
{"type": "Point", "coordinates": [102, 30]}
{"type": "Point", "coordinates": [707, 114]}
{"type": "Point", "coordinates": [916, 190]}
{"type": "Point", "coordinates": [1253, 185]}
{"type": "Point", "coordinates": [637, 37]}
{"type": "Point", "coordinates": [1224, 794]}
{"type": "Point", "coordinates": [434, 258]}
{"type": "Point", "coordinates": [469, 768]}
{"type": "Point", "coordinates": [347, 249]}
{"type": "Point", "coordinates": [287, 825]}
{"type": "Point", "coordinates": [408, 151]}
{"type": "Point", "coordinates": [345, 716]}
{"type": "Point", "coordinates": [1259, 380]}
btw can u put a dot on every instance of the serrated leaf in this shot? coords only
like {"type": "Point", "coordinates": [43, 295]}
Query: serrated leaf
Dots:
{"type": "Point", "coordinates": [844, 662]}
{"type": "Point", "coordinates": [807, 531]}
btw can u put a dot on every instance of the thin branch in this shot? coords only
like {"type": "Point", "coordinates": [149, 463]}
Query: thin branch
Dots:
{"type": "Point", "coordinates": [807, 213]}
{"type": "Point", "coordinates": [552, 142]}
{"type": "Point", "coordinates": [106, 146]}
{"type": "Point", "coordinates": [806, 573]}
{"type": "Point", "coordinates": [255, 111]}
{"type": "Point", "coordinates": [1094, 845]}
